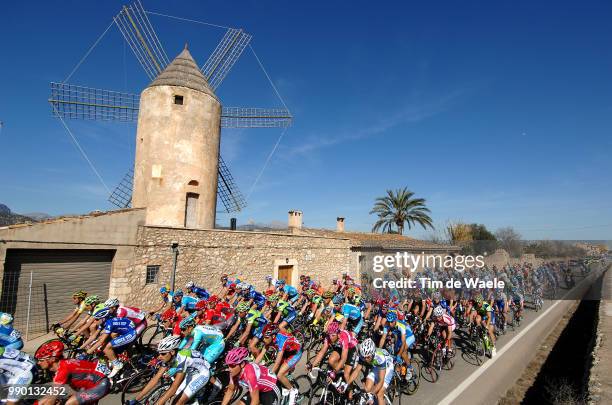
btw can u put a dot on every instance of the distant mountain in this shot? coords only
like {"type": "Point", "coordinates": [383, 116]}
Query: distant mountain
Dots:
{"type": "Point", "coordinates": [39, 216]}
{"type": "Point", "coordinates": [7, 217]}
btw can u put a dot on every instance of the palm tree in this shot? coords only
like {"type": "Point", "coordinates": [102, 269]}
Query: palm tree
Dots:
{"type": "Point", "coordinates": [397, 208]}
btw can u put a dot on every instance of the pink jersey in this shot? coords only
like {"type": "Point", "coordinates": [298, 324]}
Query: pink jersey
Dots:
{"type": "Point", "coordinates": [345, 340]}
{"type": "Point", "coordinates": [446, 320]}
{"type": "Point", "coordinates": [256, 377]}
{"type": "Point", "coordinates": [133, 314]}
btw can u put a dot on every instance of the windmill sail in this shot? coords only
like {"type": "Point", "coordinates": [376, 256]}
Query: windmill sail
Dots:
{"type": "Point", "coordinates": [225, 56]}
{"type": "Point", "coordinates": [87, 103]}
{"type": "Point", "coordinates": [134, 25]}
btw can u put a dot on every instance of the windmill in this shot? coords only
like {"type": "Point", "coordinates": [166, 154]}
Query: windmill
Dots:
{"type": "Point", "coordinates": [86, 103]}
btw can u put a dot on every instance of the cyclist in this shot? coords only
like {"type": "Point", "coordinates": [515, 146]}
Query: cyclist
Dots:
{"type": "Point", "coordinates": [262, 385]}
{"type": "Point", "coordinates": [16, 367]}
{"type": "Point", "coordinates": [289, 354]}
{"type": "Point", "coordinates": [289, 292]}
{"type": "Point", "coordinates": [183, 303]}
{"type": "Point", "coordinates": [325, 304]}
{"type": "Point", "coordinates": [87, 378]}
{"type": "Point", "coordinates": [88, 325]}
{"type": "Point", "coordinates": [286, 315]}
{"type": "Point", "coordinates": [444, 321]}
{"type": "Point", "coordinates": [190, 371]}
{"type": "Point", "coordinates": [404, 339]}
{"type": "Point", "coordinates": [381, 373]}
{"type": "Point", "coordinates": [9, 337]}
{"type": "Point", "coordinates": [351, 314]}
{"type": "Point", "coordinates": [483, 313]}
{"type": "Point", "coordinates": [135, 315]}
{"type": "Point", "coordinates": [165, 301]}
{"type": "Point", "coordinates": [199, 292]}
{"type": "Point", "coordinates": [344, 349]}
{"type": "Point", "coordinates": [206, 339]}
{"type": "Point", "coordinates": [78, 299]}
{"type": "Point", "coordinates": [113, 336]}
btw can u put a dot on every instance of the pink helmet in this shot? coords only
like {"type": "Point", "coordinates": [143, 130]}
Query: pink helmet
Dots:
{"type": "Point", "coordinates": [236, 356]}
{"type": "Point", "coordinates": [333, 328]}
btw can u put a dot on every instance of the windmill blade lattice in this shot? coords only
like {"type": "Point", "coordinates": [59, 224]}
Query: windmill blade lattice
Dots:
{"type": "Point", "coordinates": [134, 25]}
{"type": "Point", "coordinates": [225, 56]}
{"type": "Point", "coordinates": [121, 197]}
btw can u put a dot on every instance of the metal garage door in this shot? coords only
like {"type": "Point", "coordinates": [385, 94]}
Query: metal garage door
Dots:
{"type": "Point", "coordinates": [55, 275]}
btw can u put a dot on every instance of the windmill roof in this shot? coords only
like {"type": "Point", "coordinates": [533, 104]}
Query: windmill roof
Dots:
{"type": "Point", "coordinates": [183, 71]}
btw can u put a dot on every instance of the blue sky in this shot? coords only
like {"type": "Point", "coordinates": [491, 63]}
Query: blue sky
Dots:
{"type": "Point", "coordinates": [495, 113]}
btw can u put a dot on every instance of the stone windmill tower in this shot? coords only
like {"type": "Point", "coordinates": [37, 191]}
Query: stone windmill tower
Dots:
{"type": "Point", "coordinates": [178, 173]}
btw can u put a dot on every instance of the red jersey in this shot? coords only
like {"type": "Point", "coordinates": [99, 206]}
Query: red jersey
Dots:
{"type": "Point", "coordinates": [80, 374]}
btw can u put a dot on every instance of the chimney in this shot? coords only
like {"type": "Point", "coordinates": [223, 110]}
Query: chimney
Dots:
{"type": "Point", "coordinates": [233, 224]}
{"type": "Point", "coordinates": [339, 224]}
{"type": "Point", "coordinates": [295, 220]}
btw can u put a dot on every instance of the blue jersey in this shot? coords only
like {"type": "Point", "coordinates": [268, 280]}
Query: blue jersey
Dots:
{"type": "Point", "coordinates": [9, 335]}
{"type": "Point", "coordinates": [443, 304]}
{"type": "Point", "coordinates": [350, 311]}
{"type": "Point", "coordinates": [200, 292]}
{"type": "Point", "coordinates": [257, 297]}
{"type": "Point", "coordinates": [122, 326]}
{"type": "Point", "coordinates": [290, 290]}
{"type": "Point", "coordinates": [189, 302]}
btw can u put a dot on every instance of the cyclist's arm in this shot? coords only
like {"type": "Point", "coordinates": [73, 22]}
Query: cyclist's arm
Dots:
{"type": "Point", "coordinates": [255, 397]}
{"type": "Point", "coordinates": [278, 361]}
{"type": "Point", "coordinates": [343, 358]}
{"type": "Point", "coordinates": [229, 392]}
{"type": "Point", "coordinates": [260, 356]}
{"type": "Point", "coordinates": [99, 343]}
{"type": "Point", "coordinates": [383, 338]}
{"type": "Point", "coordinates": [67, 323]}
{"type": "Point", "coordinates": [354, 373]}
{"type": "Point", "coordinates": [178, 379]}
{"type": "Point", "coordinates": [84, 327]}
{"type": "Point", "coordinates": [246, 333]}
{"type": "Point", "coordinates": [315, 362]}
{"type": "Point", "coordinates": [91, 339]}
{"type": "Point", "coordinates": [151, 384]}
{"type": "Point", "coordinates": [234, 328]}
{"type": "Point", "coordinates": [381, 380]}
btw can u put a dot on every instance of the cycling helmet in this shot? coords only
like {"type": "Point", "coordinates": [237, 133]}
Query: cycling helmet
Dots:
{"type": "Point", "coordinates": [273, 298]}
{"type": "Point", "coordinates": [169, 314]}
{"type": "Point", "coordinates": [92, 300]}
{"type": "Point", "coordinates": [391, 317]}
{"type": "Point", "coordinates": [79, 294]}
{"type": "Point", "coordinates": [268, 278]}
{"type": "Point", "coordinates": [367, 348]}
{"type": "Point", "coordinates": [101, 311]}
{"type": "Point", "coordinates": [178, 293]}
{"type": "Point", "coordinates": [200, 305]}
{"type": "Point", "coordinates": [187, 322]}
{"type": "Point", "coordinates": [280, 282]}
{"type": "Point", "coordinates": [213, 299]}
{"type": "Point", "coordinates": [333, 328]}
{"type": "Point", "coordinates": [189, 285]}
{"type": "Point", "coordinates": [356, 298]}
{"type": "Point", "coordinates": [478, 299]}
{"type": "Point", "coordinates": [168, 343]}
{"type": "Point", "coordinates": [436, 296]}
{"type": "Point", "coordinates": [310, 292]}
{"type": "Point", "coordinates": [338, 299]}
{"type": "Point", "coordinates": [328, 294]}
{"type": "Point", "coordinates": [51, 349]}
{"type": "Point", "coordinates": [438, 311]}
{"type": "Point", "coordinates": [236, 356]}
{"type": "Point", "coordinates": [224, 277]}
{"type": "Point", "coordinates": [270, 329]}
{"type": "Point", "coordinates": [6, 319]}
{"type": "Point", "coordinates": [242, 307]}
{"type": "Point", "coordinates": [163, 290]}
{"type": "Point", "coordinates": [352, 290]}
{"type": "Point", "coordinates": [302, 277]}
{"type": "Point", "coordinates": [242, 286]}
{"type": "Point", "coordinates": [112, 302]}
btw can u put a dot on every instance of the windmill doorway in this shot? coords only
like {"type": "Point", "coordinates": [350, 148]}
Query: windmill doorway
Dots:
{"type": "Point", "coordinates": [288, 270]}
{"type": "Point", "coordinates": [285, 273]}
{"type": "Point", "coordinates": [191, 210]}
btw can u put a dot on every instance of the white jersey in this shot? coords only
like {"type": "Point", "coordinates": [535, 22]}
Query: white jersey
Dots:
{"type": "Point", "coordinates": [14, 363]}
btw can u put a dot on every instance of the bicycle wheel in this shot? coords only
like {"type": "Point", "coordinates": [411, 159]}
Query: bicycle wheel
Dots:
{"type": "Point", "coordinates": [320, 394]}
{"type": "Point", "coordinates": [429, 373]}
{"type": "Point", "coordinates": [135, 384]}
{"type": "Point", "coordinates": [156, 394]}
{"type": "Point", "coordinates": [412, 385]}
{"type": "Point", "coordinates": [303, 384]}
{"type": "Point", "coordinates": [151, 336]}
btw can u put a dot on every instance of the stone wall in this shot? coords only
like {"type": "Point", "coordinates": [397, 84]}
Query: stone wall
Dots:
{"type": "Point", "coordinates": [206, 254]}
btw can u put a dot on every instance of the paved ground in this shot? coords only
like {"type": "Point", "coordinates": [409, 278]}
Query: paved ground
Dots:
{"type": "Point", "coordinates": [484, 384]}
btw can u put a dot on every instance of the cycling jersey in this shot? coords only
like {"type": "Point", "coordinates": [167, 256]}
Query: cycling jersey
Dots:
{"type": "Point", "coordinates": [201, 293]}
{"type": "Point", "coordinates": [287, 342]}
{"type": "Point", "coordinates": [287, 311]}
{"type": "Point", "coordinates": [16, 367]}
{"type": "Point", "coordinates": [381, 361]}
{"type": "Point", "coordinates": [291, 291]}
{"type": "Point", "coordinates": [257, 320]}
{"type": "Point", "coordinates": [133, 314]}
{"type": "Point", "coordinates": [444, 304]}
{"type": "Point", "coordinates": [256, 377]}
{"type": "Point", "coordinates": [346, 340]}
{"type": "Point", "coordinates": [80, 308]}
{"type": "Point", "coordinates": [208, 340]}
{"type": "Point", "coordinates": [195, 368]}
{"type": "Point", "coordinates": [446, 320]}
{"type": "Point", "coordinates": [350, 311]}
{"type": "Point", "coordinates": [484, 309]}
{"type": "Point", "coordinates": [123, 327]}
{"type": "Point", "coordinates": [258, 298]}
{"type": "Point", "coordinates": [88, 378]}
{"type": "Point", "coordinates": [10, 337]}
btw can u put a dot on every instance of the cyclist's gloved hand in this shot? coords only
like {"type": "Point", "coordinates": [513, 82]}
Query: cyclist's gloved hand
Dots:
{"type": "Point", "coordinates": [308, 366]}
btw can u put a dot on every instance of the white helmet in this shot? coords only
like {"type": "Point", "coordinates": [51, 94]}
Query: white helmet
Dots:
{"type": "Point", "coordinates": [168, 343]}
{"type": "Point", "coordinates": [438, 311]}
{"type": "Point", "coordinates": [189, 285]}
{"type": "Point", "coordinates": [242, 286]}
{"type": "Point", "coordinates": [367, 348]}
{"type": "Point", "coordinates": [5, 319]}
{"type": "Point", "coordinates": [111, 302]}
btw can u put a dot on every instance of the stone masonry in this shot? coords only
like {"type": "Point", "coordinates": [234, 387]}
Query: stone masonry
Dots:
{"type": "Point", "coordinates": [207, 254]}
